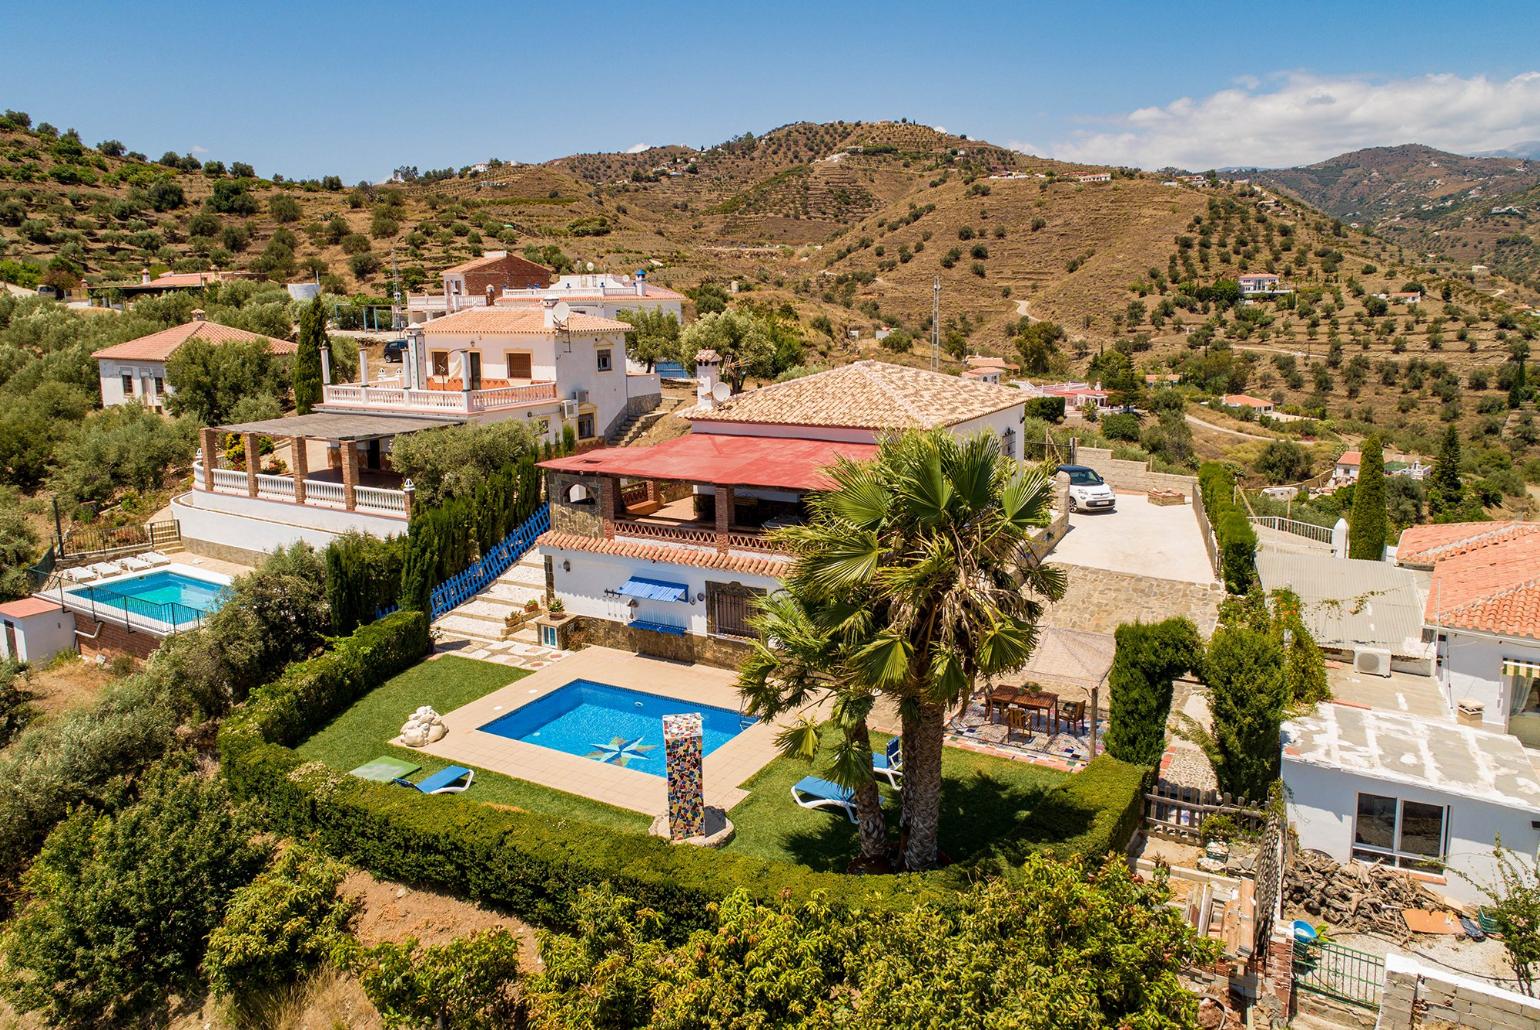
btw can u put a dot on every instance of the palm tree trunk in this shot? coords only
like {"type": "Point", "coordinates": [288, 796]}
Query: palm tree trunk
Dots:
{"type": "Point", "coordinates": [922, 786]}
{"type": "Point", "coordinates": [869, 818]}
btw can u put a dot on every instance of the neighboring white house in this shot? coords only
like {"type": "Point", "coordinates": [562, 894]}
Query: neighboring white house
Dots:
{"type": "Point", "coordinates": [668, 541]}
{"type": "Point", "coordinates": [499, 278]}
{"type": "Point", "coordinates": [1076, 395]}
{"type": "Point", "coordinates": [135, 371]}
{"type": "Point", "coordinates": [1258, 284]}
{"type": "Point", "coordinates": [1416, 794]}
{"type": "Point", "coordinates": [1094, 177]}
{"type": "Point", "coordinates": [602, 295]}
{"type": "Point", "coordinates": [1244, 400]}
{"type": "Point", "coordinates": [550, 368]}
{"type": "Point", "coordinates": [1483, 611]}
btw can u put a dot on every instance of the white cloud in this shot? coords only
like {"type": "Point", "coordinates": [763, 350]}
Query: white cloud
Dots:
{"type": "Point", "coordinates": [1304, 118]}
{"type": "Point", "coordinates": [940, 128]}
{"type": "Point", "coordinates": [1021, 146]}
{"type": "Point", "coordinates": [198, 150]}
{"type": "Point", "coordinates": [637, 148]}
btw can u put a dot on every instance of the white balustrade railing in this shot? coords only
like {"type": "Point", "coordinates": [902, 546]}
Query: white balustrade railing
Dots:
{"type": "Point", "coordinates": [233, 480]}
{"type": "Point", "coordinates": [321, 492]}
{"type": "Point", "coordinates": [457, 401]}
{"type": "Point", "coordinates": [373, 498]}
{"type": "Point", "coordinates": [275, 487]}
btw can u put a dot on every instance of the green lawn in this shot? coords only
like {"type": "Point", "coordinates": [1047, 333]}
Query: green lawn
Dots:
{"type": "Point", "coordinates": [361, 733]}
{"type": "Point", "coordinates": [986, 803]}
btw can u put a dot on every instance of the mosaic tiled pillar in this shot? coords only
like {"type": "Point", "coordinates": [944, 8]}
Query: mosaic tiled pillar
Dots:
{"type": "Point", "coordinates": [686, 793]}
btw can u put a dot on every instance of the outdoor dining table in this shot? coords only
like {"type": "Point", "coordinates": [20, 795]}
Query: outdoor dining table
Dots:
{"type": "Point", "coordinates": [1034, 702]}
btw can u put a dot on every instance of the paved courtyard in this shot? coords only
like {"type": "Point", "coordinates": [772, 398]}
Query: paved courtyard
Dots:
{"type": "Point", "coordinates": [723, 770]}
{"type": "Point", "coordinates": [1138, 538]}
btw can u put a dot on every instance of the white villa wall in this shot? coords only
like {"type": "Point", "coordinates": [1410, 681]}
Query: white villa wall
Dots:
{"type": "Point", "coordinates": [38, 637]}
{"type": "Point", "coordinates": [582, 589]}
{"type": "Point", "coordinates": [996, 424]}
{"type": "Point", "coordinates": [259, 525]}
{"type": "Point", "coordinates": [110, 376]}
{"type": "Point", "coordinates": [1472, 670]}
{"type": "Point", "coordinates": [1323, 803]}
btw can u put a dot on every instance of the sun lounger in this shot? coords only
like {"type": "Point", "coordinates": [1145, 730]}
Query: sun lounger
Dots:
{"type": "Point", "coordinates": [890, 764]}
{"type": "Point", "coordinates": [445, 781]}
{"type": "Point", "coordinates": [385, 769]}
{"type": "Point", "coordinates": [78, 575]}
{"type": "Point", "coordinates": [155, 558]}
{"type": "Point", "coordinates": [134, 564]}
{"type": "Point", "coordinates": [106, 568]}
{"type": "Point", "coordinates": [812, 792]}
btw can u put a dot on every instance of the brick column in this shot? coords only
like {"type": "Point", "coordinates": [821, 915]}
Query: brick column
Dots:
{"type": "Point", "coordinates": [724, 507]}
{"type": "Point", "coordinates": [249, 441]}
{"type": "Point", "coordinates": [349, 474]}
{"type": "Point", "coordinates": [298, 446]}
{"type": "Point", "coordinates": [209, 440]}
{"type": "Point", "coordinates": [609, 499]}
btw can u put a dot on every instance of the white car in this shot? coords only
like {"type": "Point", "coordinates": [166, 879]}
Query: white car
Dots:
{"type": "Point", "coordinates": [1088, 491]}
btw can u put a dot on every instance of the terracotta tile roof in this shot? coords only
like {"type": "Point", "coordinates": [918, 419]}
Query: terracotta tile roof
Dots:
{"type": "Point", "coordinates": [524, 319]}
{"type": "Point", "coordinates": [1426, 545]}
{"type": "Point", "coordinates": [867, 395]}
{"type": "Point", "coordinates": [1491, 588]}
{"type": "Point", "coordinates": [671, 553]}
{"type": "Point", "coordinates": [28, 606]}
{"type": "Point", "coordinates": [1242, 400]}
{"type": "Point", "coordinates": [160, 346]}
{"type": "Point", "coordinates": [1351, 458]}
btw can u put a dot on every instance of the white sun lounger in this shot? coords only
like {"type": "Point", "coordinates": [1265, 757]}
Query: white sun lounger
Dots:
{"type": "Point", "coordinates": [77, 575]}
{"type": "Point", "coordinates": [154, 558]}
{"type": "Point", "coordinates": [134, 564]}
{"type": "Point", "coordinates": [106, 568]}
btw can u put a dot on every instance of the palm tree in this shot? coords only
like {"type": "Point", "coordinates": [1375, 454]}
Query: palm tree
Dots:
{"type": "Point", "coordinates": [802, 659]}
{"type": "Point", "coordinates": [928, 544]}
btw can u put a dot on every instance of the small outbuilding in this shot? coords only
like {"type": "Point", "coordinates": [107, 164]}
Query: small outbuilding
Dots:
{"type": "Point", "coordinates": [34, 630]}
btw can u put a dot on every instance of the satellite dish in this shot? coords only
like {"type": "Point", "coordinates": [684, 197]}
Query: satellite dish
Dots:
{"type": "Point", "coordinates": [590, 266]}
{"type": "Point", "coordinates": [561, 312]}
{"type": "Point", "coordinates": [721, 391]}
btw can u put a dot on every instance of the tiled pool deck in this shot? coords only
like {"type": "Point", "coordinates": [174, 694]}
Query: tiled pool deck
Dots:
{"type": "Point", "coordinates": [725, 768]}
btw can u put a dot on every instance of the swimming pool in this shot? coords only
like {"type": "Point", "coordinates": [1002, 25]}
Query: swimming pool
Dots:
{"type": "Point", "coordinates": [611, 724]}
{"type": "Point", "coordinates": [163, 594]}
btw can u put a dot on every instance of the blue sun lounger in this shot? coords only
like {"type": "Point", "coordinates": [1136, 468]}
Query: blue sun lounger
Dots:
{"type": "Point", "coordinates": [890, 764]}
{"type": "Point", "coordinates": [812, 792]}
{"type": "Point", "coordinates": [445, 781]}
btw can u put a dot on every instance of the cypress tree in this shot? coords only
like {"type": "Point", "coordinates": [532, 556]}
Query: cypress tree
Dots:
{"type": "Point", "coordinates": [307, 361]}
{"type": "Point", "coordinates": [1445, 489]}
{"type": "Point", "coordinates": [1244, 671]}
{"type": "Point", "coordinates": [1366, 521]}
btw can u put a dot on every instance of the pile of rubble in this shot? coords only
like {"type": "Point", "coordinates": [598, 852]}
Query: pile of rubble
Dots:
{"type": "Point", "coordinates": [1353, 897]}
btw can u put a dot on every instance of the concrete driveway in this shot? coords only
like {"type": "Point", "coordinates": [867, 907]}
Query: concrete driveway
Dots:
{"type": "Point", "coordinates": [1138, 538]}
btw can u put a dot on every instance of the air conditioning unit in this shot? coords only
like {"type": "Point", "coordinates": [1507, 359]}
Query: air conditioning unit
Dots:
{"type": "Point", "coordinates": [1372, 661]}
{"type": "Point", "coordinates": [569, 409]}
{"type": "Point", "coordinates": [580, 396]}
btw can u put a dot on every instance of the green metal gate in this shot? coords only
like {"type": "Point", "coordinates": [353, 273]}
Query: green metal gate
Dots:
{"type": "Point", "coordinates": [1356, 977]}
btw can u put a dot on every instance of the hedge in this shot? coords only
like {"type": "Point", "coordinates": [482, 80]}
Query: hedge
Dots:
{"type": "Point", "coordinates": [1049, 409]}
{"type": "Point", "coordinates": [533, 866]}
{"type": "Point", "coordinates": [1233, 532]}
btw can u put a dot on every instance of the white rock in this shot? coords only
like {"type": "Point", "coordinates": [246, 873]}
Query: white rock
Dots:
{"type": "Point", "coordinates": [436, 732]}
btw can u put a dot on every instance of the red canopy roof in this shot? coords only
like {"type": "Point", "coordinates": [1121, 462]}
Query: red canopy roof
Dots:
{"type": "Point", "coordinates": [722, 459]}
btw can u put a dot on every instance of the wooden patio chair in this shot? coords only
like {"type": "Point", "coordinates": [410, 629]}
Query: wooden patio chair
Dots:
{"type": "Point", "coordinates": [1017, 720]}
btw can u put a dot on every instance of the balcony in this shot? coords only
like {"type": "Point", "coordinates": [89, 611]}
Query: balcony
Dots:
{"type": "Point", "coordinates": [322, 489]}
{"type": "Point", "coordinates": [443, 397]}
{"type": "Point", "coordinates": [678, 522]}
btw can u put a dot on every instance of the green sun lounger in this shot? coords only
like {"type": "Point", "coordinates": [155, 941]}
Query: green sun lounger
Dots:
{"type": "Point", "coordinates": [384, 769]}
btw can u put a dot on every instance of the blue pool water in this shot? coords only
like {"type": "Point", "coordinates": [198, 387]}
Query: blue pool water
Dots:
{"type": "Point", "coordinates": [153, 594]}
{"type": "Point", "coordinates": [612, 724]}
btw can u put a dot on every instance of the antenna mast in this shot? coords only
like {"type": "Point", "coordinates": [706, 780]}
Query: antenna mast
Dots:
{"type": "Point", "coordinates": [935, 325]}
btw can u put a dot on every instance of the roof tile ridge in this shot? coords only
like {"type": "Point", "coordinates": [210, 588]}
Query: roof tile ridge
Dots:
{"type": "Point", "coordinates": [909, 408]}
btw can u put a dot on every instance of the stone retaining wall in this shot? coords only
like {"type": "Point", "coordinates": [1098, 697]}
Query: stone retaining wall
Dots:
{"type": "Point", "coordinates": [722, 652]}
{"type": "Point", "coordinates": [1133, 475]}
{"type": "Point", "coordinates": [1099, 601]}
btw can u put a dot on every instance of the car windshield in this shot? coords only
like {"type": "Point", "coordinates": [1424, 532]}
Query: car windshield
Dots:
{"type": "Point", "coordinates": [1084, 477]}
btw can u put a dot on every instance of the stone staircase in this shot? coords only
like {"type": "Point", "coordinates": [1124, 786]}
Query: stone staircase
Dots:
{"type": "Point", "coordinates": [486, 616]}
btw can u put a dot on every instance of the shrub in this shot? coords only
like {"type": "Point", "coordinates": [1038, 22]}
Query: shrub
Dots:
{"type": "Point", "coordinates": [363, 575]}
{"type": "Point", "coordinates": [15, 701]}
{"type": "Point", "coordinates": [467, 984]}
{"type": "Point", "coordinates": [1236, 538]}
{"type": "Point", "coordinates": [118, 906]}
{"type": "Point", "coordinates": [1122, 426]}
{"type": "Point", "coordinates": [1049, 409]}
{"type": "Point", "coordinates": [1244, 672]}
{"type": "Point", "coordinates": [280, 925]}
{"type": "Point", "coordinates": [1148, 657]}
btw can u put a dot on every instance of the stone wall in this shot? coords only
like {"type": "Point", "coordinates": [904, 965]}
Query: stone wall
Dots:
{"type": "Point", "coordinates": [110, 638]}
{"type": "Point", "coordinates": [567, 517]}
{"type": "Point", "coordinates": [225, 552]}
{"type": "Point", "coordinates": [1099, 601]}
{"type": "Point", "coordinates": [718, 651]}
{"type": "Point", "coordinates": [1429, 997]}
{"type": "Point", "coordinates": [1133, 475]}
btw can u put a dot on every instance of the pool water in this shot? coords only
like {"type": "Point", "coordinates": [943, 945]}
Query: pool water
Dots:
{"type": "Point", "coordinates": [612, 724]}
{"type": "Point", "coordinates": [141, 594]}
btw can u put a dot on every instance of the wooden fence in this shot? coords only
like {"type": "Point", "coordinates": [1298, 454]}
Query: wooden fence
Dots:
{"type": "Point", "coordinates": [1175, 811]}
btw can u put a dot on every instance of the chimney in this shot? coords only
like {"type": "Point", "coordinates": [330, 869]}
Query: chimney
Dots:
{"type": "Point", "coordinates": [144, 276]}
{"type": "Point", "coordinates": [198, 314]}
{"type": "Point", "coordinates": [708, 367]}
{"type": "Point", "coordinates": [491, 294]}
{"type": "Point", "coordinates": [641, 282]}
{"type": "Point", "coordinates": [548, 312]}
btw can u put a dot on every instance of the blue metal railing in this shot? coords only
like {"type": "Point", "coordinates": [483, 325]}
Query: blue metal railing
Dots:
{"type": "Point", "coordinates": [464, 585]}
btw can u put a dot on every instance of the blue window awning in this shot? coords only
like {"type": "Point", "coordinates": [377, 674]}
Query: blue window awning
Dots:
{"type": "Point", "coordinates": [653, 589]}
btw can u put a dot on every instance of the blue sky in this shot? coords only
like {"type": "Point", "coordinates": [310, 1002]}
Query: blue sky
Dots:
{"type": "Point", "coordinates": [356, 89]}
